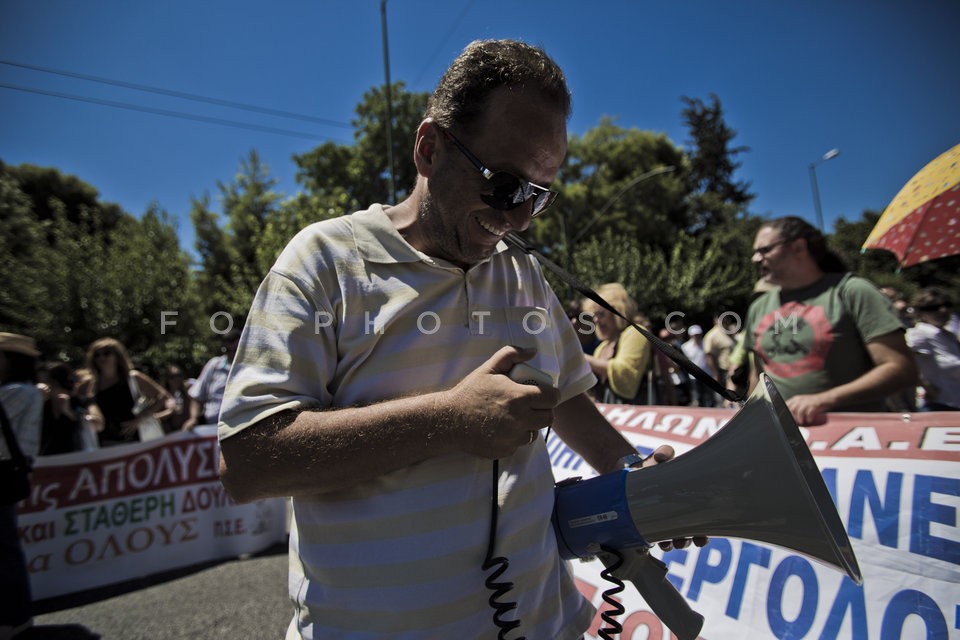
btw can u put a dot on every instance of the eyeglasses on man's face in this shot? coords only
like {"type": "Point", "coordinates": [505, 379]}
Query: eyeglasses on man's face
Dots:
{"type": "Point", "coordinates": [509, 191]}
{"type": "Point", "coordinates": [764, 250]}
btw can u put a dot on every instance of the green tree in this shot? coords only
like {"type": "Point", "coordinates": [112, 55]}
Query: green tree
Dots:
{"type": "Point", "coordinates": [407, 110]}
{"type": "Point", "coordinates": [123, 284]}
{"type": "Point", "coordinates": [232, 258]}
{"type": "Point", "coordinates": [848, 238]}
{"type": "Point", "coordinates": [625, 180]}
{"type": "Point", "coordinates": [715, 196]}
{"type": "Point", "coordinates": [695, 276]}
{"type": "Point", "coordinates": [85, 269]}
{"type": "Point", "coordinates": [49, 189]}
{"type": "Point", "coordinates": [717, 202]}
{"type": "Point", "coordinates": [347, 178]}
{"type": "Point", "coordinates": [22, 255]}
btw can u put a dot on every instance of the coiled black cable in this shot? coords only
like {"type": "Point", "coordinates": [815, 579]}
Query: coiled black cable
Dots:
{"type": "Point", "coordinates": [498, 589]}
{"type": "Point", "coordinates": [616, 607]}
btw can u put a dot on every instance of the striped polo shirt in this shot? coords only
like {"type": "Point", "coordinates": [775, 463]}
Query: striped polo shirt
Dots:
{"type": "Point", "coordinates": [351, 315]}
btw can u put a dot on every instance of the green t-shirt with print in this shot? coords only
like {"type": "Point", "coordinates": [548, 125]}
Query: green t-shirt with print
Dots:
{"type": "Point", "coordinates": [812, 339]}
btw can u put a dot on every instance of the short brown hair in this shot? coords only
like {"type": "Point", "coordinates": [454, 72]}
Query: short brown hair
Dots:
{"type": "Point", "coordinates": [486, 65]}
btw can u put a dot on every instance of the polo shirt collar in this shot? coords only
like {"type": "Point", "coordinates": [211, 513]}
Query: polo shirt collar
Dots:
{"type": "Point", "coordinates": [378, 241]}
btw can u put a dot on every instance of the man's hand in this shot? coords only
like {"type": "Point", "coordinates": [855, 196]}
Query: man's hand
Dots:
{"type": "Point", "coordinates": [809, 409]}
{"type": "Point", "coordinates": [661, 454]}
{"type": "Point", "coordinates": [493, 415]}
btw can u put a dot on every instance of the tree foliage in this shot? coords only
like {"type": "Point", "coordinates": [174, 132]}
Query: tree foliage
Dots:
{"type": "Point", "coordinates": [695, 276]}
{"type": "Point", "coordinates": [81, 271]}
{"type": "Point", "coordinates": [715, 196]}
{"type": "Point", "coordinates": [235, 256]}
{"type": "Point", "coordinates": [347, 178]}
{"type": "Point", "coordinates": [623, 180]}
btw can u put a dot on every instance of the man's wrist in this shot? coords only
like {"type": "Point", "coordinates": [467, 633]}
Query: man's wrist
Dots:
{"type": "Point", "coordinates": [631, 461]}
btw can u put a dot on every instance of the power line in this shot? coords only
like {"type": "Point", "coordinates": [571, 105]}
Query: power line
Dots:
{"type": "Point", "coordinates": [172, 114]}
{"type": "Point", "coordinates": [443, 41]}
{"type": "Point", "coordinates": [180, 94]}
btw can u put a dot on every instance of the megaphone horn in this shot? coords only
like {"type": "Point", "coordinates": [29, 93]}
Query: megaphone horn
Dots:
{"type": "Point", "coordinates": [754, 479]}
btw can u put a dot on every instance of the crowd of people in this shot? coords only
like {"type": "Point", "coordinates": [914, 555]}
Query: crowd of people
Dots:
{"type": "Point", "coordinates": [52, 408]}
{"type": "Point", "coordinates": [106, 401]}
{"type": "Point", "coordinates": [629, 369]}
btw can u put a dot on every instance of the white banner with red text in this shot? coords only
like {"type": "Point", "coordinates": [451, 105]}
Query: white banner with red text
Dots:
{"type": "Point", "coordinates": [120, 513]}
{"type": "Point", "coordinates": [896, 482]}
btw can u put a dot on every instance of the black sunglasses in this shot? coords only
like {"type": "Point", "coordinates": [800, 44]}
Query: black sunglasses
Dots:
{"type": "Point", "coordinates": [509, 191]}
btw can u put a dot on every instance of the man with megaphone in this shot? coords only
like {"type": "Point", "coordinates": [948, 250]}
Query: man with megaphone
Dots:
{"type": "Point", "coordinates": [394, 374]}
{"type": "Point", "coordinates": [378, 382]}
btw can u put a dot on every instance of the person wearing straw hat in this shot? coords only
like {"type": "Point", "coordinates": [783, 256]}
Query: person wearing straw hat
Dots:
{"type": "Point", "coordinates": [22, 403]}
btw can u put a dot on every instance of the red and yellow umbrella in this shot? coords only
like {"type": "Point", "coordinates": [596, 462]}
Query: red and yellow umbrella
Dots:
{"type": "Point", "coordinates": [923, 221]}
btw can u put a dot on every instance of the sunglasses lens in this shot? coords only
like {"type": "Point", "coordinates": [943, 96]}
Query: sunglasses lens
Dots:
{"type": "Point", "coordinates": [543, 201]}
{"type": "Point", "coordinates": [509, 192]}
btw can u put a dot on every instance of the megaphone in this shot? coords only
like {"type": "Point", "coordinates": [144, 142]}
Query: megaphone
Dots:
{"type": "Point", "coordinates": [754, 479]}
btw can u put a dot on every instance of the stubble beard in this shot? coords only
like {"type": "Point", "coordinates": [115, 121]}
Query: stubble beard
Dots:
{"type": "Point", "coordinates": [443, 238]}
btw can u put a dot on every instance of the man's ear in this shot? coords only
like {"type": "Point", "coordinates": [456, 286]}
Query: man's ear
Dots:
{"type": "Point", "coordinates": [425, 147]}
{"type": "Point", "coordinates": [803, 246]}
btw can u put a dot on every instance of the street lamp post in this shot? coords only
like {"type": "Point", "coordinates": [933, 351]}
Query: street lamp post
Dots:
{"type": "Point", "coordinates": [829, 155]}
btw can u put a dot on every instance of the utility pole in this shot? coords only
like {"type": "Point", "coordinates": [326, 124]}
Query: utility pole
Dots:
{"type": "Point", "coordinates": [389, 123]}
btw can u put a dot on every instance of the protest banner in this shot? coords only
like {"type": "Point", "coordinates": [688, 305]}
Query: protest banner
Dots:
{"type": "Point", "coordinates": [121, 513]}
{"type": "Point", "coordinates": [107, 516]}
{"type": "Point", "coordinates": [896, 483]}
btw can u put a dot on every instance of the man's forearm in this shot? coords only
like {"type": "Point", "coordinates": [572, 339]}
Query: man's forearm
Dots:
{"type": "Point", "coordinates": [486, 415]}
{"type": "Point", "coordinates": [880, 382]}
{"type": "Point", "coordinates": [584, 429]}
{"type": "Point", "coordinates": [314, 452]}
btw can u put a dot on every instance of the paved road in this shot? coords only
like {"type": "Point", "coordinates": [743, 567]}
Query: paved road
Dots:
{"type": "Point", "coordinates": [243, 598]}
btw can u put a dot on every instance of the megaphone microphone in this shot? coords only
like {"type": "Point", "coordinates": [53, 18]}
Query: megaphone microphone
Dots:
{"type": "Point", "coordinates": [754, 479]}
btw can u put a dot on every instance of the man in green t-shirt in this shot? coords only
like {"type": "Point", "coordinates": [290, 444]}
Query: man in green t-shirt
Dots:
{"type": "Point", "coordinates": [830, 341]}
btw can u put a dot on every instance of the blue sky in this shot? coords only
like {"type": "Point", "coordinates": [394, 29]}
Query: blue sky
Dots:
{"type": "Point", "coordinates": [878, 79]}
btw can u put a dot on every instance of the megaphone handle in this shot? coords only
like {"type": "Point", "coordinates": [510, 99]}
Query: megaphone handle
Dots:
{"type": "Point", "coordinates": [649, 576]}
